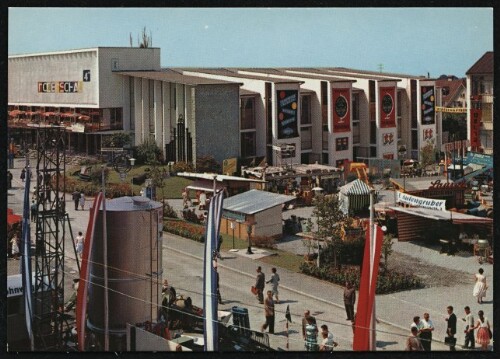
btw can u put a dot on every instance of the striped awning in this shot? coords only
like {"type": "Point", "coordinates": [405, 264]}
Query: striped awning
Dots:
{"type": "Point", "coordinates": [356, 187]}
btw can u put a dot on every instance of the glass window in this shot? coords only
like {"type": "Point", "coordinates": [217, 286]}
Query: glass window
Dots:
{"type": "Point", "coordinates": [355, 107]}
{"type": "Point", "coordinates": [247, 113]}
{"type": "Point", "coordinates": [373, 132]}
{"type": "Point", "coordinates": [356, 137]}
{"type": "Point", "coordinates": [306, 138]}
{"type": "Point", "coordinates": [324, 105]}
{"type": "Point", "coordinates": [151, 107]}
{"type": "Point", "coordinates": [342, 143]}
{"type": "Point", "coordinates": [305, 109]}
{"type": "Point", "coordinates": [399, 99]}
{"type": "Point", "coordinates": [247, 144]}
{"type": "Point", "coordinates": [132, 103]}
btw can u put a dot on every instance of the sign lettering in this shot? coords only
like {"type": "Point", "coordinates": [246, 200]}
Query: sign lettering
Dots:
{"type": "Point", "coordinates": [60, 87]}
{"type": "Point", "coordinates": [438, 185]}
{"type": "Point", "coordinates": [436, 204]}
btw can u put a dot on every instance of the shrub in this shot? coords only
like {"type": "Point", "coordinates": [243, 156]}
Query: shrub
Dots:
{"type": "Point", "coordinates": [264, 242]}
{"type": "Point", "coordinates": [207, 164]}
{"type": "Point", "coordinates": [168, 210]}
{"type": "Point", "coordinates": [182, 167]}
{"type": "Point", "coordinates": [185, 229]}
{"type": "Point", "coordinates": [387, 282]}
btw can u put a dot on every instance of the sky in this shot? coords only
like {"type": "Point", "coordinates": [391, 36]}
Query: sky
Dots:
{"type": "Point", "coordinates": [414, 41]}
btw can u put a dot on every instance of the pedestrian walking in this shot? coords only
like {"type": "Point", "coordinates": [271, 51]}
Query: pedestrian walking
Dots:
{"type": "Point", "coordinates": [311, 342]}
{"type": "Point", "coordinates": [426, 332]}
{"type": "Point", "coordinates": [260, 283]}
{"type": "Point", "coordinates": [307, 314]}
{"type": "Point", "coordinates": [327, 342]}
{"type": "Point", "coordinates": [82, 201]}
{"type": "Point", "coordinates": [349, 300]}
{"type": "Point", "coordinates": [219, 244]}
{"type": "Point", "coordinates": [76, 199]}
{"type": "Point", "coordinates": [451, 328]}
{"type": "Point", "coordinates": [269, 313]}
{"type": "Point", "coordinates": [413, 341]}
{"type": "Point", "coordinates": [79, 239]}
{"type": "Point", "coordinates": [9, 179]}
{"type": "Point", "coordinates": [469, 329]}
{"type": "Point", "coordinates": [483, 331]}
{"type": "Point", "coordinates": [480, 287]}
{"type": "Point", "coordinates": [219, 297]}
{"type": "Point", "coordinates": [33, 210]}
{"type": "Point", "coordinates": [14, 243]}
{"type": "Point", "coordinates": [23, 174]}
{"type": "Point", "coordinates": [275, 279]}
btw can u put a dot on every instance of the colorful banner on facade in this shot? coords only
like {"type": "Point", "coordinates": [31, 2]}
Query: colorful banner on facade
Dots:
{"type": "Point", "coordinates": [428, 105]}
{"type": "Point", "coordinates": [436, 204]}
{"type": "Point", "coordinates": [287, 113]}
{"type": "Point", "coordinates": [427, 134]}
{"type": "Point", "coordinates": [341, 110]}
{"type": "Point", "coordinates": [387, 107]}
{"type": "Point", "coordinates": [475, 122]}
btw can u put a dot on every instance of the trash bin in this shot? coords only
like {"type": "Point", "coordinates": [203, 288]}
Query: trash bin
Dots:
{"type": "Point", "coordinates": [241, 320]}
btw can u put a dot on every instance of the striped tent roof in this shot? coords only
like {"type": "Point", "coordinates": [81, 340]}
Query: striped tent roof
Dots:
{"type": "Point", "coordinates": [355, 187]}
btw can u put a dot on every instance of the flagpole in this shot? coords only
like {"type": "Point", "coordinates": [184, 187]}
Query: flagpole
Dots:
{"type": "Point", "coordinates": [373, 339]}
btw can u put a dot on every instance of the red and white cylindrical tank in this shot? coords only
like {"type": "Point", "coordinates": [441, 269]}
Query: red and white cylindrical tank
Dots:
{"type": "Point", "coordinates": [134, 246]}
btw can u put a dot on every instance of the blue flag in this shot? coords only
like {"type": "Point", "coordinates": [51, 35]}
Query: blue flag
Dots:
{"type": "Point", "coordinates": [210, 308]}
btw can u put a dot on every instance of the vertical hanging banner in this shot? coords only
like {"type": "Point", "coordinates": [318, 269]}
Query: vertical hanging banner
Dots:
{"type": "Point", "coordinates": [341, 113]}
{"type": "Point", "coordinates": [287, 113]}
{"type": "Point", "coordinates": [475, 121]}
{"type": "Point", "coordinates": [387, 109]}
{"type": "Point", "coordinates": [428, 105]}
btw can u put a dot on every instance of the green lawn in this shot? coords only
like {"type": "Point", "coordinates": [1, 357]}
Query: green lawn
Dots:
{"type": "Point", "coordinates": [280, 258]}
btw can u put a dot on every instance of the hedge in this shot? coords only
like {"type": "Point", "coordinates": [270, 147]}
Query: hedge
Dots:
{"type": "Point", "coordinates": [388, 282]}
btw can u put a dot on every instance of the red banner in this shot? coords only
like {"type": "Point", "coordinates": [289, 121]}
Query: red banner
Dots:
{"type": "Point", "coordinates": [341, 110]}
{"type": "Point", "coordinates": [387, 107]}
{"type": "Point", "coordinates": [475, 121]}
{"type": "Point", "coordinates": [367, 289]}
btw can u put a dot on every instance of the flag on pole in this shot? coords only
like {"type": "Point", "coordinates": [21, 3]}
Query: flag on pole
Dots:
{"type": "Point", "coordinates": [26, 259]}
{"type": "Point", "coordinates": [367, 292]}
{"type": "Point", "coordinates": [210, 333]}
{"type": "Point", "coordinates": [81, 297]}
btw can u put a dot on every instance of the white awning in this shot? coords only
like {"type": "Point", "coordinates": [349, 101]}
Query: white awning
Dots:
{"type": "Point", "coordinates": [206, 186]}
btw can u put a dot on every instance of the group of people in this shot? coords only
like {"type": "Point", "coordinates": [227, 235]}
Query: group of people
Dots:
{"type": "Point", "coordinates": [79, 200]}
{"type": "Point", "coordinates": [310, 335]}
{"type": "Point", "coordinates": [421, 331]}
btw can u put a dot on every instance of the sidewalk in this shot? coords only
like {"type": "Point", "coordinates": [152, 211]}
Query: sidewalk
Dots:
{"type": "Point", "coordinates": [395, 309]}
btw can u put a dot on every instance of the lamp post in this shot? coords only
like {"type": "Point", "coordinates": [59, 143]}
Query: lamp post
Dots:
{"type": "Point", "coordinates": [402, 155]}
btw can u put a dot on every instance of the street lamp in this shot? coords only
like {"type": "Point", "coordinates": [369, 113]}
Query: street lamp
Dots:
{"type": "Point", "coordinates": [123, 164]}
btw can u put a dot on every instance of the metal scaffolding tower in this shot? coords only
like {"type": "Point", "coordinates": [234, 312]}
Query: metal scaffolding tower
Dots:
{"type": "Point", "coordinates": [49, 320]}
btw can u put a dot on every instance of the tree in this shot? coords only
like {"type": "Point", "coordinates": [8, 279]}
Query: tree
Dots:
{"type": "Point", "coordinates": [387, 248]}
{"type": "Point", "coordinates": [148, 152]}
{"type": "Point", "coordinates": [330, 220]}
{"type": "Point", "coordinates": [428, 154]}
{"type": "Point", "coordinates": [145, 41]}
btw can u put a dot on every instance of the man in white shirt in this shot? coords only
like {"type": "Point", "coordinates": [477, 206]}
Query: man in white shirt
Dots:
{"type": "Point", "coordinates": [426, 332]}
{"type": "Point", "coordinates": [327, 342]}
{"type": "Point", "coordinates": [469, 329]}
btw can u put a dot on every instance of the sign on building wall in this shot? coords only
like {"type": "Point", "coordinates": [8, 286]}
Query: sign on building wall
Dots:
{"type": "Point", "coordinates": [60, 87]}
{"type": "Point", "coordinates": [436, 204]}
{"type": "Point", "coordinates": [387, 107]}
{"type": "Point", "coordinates": [341, 113]}
{"type": "Point", "coordinates": [287, 113]}
{"type": "Point", "coordinates": [428, 105]}
{"type": "Point", "coordinates": [427, 134]}
{"type": "Point", "coordinates": [388, 138]}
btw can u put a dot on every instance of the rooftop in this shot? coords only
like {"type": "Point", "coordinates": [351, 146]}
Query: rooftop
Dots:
{"type": "Point", "coordinates": [483, 66]}
{"type": "Point", "coordinates": [254, 201]}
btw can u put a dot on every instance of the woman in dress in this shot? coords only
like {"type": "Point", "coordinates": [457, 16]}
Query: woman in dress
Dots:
{"type": "Point", "coordinates": [483, 333]}
{"type": "Point", "coordinates": [79, 244]}
{"type": "Point", "coordinates": [82, 201]}
{"type": "Point", "coordinates": [480, 288]}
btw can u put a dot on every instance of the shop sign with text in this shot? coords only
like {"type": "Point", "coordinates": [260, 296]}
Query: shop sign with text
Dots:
{"type": "Point", "coordinates": [341, 113]}
{"type": "Point", "coordinates": [437, 204]}
{"type": "Point", "coordinates": [60, 87]}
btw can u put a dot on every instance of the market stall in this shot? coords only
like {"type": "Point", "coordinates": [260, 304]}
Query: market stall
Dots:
{"type": "Point", "coordinates": [354, 197]}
